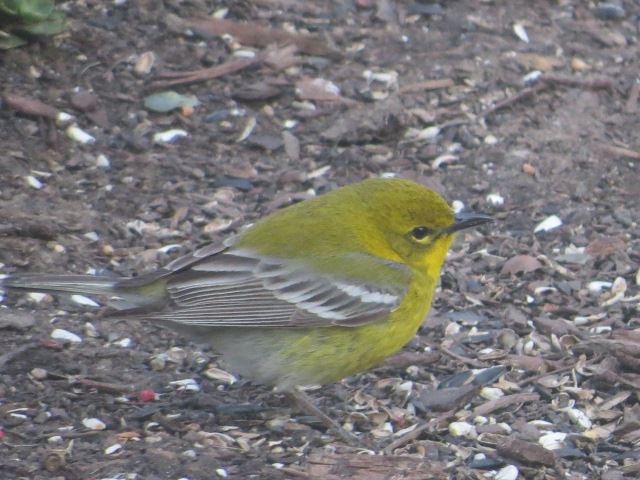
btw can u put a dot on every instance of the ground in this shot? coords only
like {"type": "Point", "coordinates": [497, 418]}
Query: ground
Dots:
{"type": "Point", "coordinates": [527, 111]}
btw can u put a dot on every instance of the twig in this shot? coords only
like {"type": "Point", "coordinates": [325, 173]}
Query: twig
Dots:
{"type": "Point", "coordinates": [621, 152]}
{"type": "Point", "coordinates": [595, 83]}
{"type": "Point", "coordinates": [415, 433]}
{"type": "Point", "coordinates": [466, 360]}
{"type": "Point", "coordinates": [521, 95]}
{"type": "Point", "coordinates": [31, 107]}
{"type": "Point", "coordinates": [502, 402]}
{"type": "Point", "coordinates": [631, 105]}
{"type": "Point", "coordinates": [547, 81]}
{"type": "Point", "coordinates": [529, 380]}
{"type": "Point", "coordinates": [306, 404]}
{"type": "Point", "coordinates": [259, 36]}
{"type": "Point", "coordinates": [104, 386]}
{"type": "Point", "coordinates": [294, 472]}
{"type": "Point", "coordinates": [435, 84]}
{"type": "Point", "coordinates": [71, 435]}
{"type": "Point", "coordinates": [232, 66]}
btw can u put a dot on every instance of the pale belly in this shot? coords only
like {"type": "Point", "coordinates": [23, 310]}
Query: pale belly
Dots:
{"type": "Point", "coordinates": [313, 356]}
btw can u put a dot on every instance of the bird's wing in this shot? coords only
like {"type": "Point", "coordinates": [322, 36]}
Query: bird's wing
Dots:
{"type": "Point", "coordinates": [240, 288]}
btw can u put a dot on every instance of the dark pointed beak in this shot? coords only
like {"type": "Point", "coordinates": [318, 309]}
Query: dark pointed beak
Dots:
{"type": "Point", "coordinates": [466, 220]}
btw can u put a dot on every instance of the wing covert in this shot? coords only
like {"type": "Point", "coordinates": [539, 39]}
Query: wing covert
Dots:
{"type": "Point", "coordinates": [241, 288]}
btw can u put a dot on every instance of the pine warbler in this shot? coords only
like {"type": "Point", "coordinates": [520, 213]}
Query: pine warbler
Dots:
{"type": "Point", "coordinates": [311, 294]}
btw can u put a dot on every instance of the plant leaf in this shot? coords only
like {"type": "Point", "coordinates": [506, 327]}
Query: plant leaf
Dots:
{"type": "Point", "coordinates": [31, 11]}
{"type": "Point", "coordinates": [8, 41]}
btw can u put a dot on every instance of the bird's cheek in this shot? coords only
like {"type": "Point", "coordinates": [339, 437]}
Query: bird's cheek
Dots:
{"type": "Point", "coordinates": [403, 249]}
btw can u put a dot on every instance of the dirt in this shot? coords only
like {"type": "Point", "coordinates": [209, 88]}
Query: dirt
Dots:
{"type": "Point", "coordinates": [452, 103]}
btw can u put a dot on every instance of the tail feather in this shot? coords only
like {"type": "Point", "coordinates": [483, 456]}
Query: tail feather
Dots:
{"type": "Point", "coordinates": [82, 284]}
{"type": "Point", "coordinates": [118, 298]}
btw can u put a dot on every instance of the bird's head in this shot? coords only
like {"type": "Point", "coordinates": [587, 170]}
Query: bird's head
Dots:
{"type": "Point", "coordinates": [413, 221]}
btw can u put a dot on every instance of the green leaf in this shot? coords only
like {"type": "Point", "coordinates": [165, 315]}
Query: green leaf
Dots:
{"type": "Point", "coordinates": [8, 41]}
{"type": "Point", "coordinates": [31, 11]}
{"type": "Point", "coordinates": [6, 8]}
{"type": "Point", "coordinates": [50, 27]}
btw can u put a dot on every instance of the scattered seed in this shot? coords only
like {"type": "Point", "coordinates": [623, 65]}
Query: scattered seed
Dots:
{"type": "Point", "coordinates": [39, 373]}
{"type": "Point", "coordinates": [115, 448]}
{"type": "Point", "coordinates": [90, 330]}
{"type": "Point", "coordinates": [124, 343]}
{"type": "Point", "coordinates": [158, 362]}
{"type": "Point", "coordinates": [318, 172]}
{"type": "Point", "coordinates": [191, 454]}
{"type": "Point", "coordinates": [170, 248]}
{"type": "Point", "coordinates": [510, 472]}
{"type": "Point", "coordinates": [462, 429]}
{"type": "Point", "coordinates": [596, 286]}
{"type": "Point", "coordinates": [548, 224]}
{"type": "Point", "coordinates": [579, 65]}
{"type": "Point", "coordinates": [144, 64]}
{"type": "Point", "coordinates": [84, 301]}
{"type": "Point", "coordinates": [495, 199]}
{"type": "Point", "coordinates": [389, 78]}
{"type": "Point", "coordinates": [220, 375]}
{"type": "Point", "coordinates": [580, 418]}
{"type": "Point", "coordinates": [76, 134]}
{"type": "Point", "coordinates": [444, 159]}
{"type": "Point", "coordinates": [169, 136]}
{"type": "Point", "coordinates": [33, 182]}
{"type": "Point", "coordinates": [544, 289]}
{"type": "Point", "coordinates": [244, 53]}
{"type": "Point", "coordinates": [93, 236]}
{"type": "Point", "coordinates": [619, 286]}
{"type": "Point", "coordinates": [60, 334]}
{"type": "Point", "coordinates": [177, 355]}
{"type": "Point", "coordinates": [187, 385]}
{"type": "Point", "coordinates": [248, 129]}
{"type": "Point", "coordinates": [457, 206]}
{"type": "Point", "coordinates": [102, 161]}
{"type": "Point", "coordinates": [93, 423]}
{"type": "Point", "coordinates": [38, 297]}
{"type": "Point", "coordinates": [520, 32]}
{"type": "Point", "coordinates": [422, 135]}
{"type": "Point", "coordinates": [63, 118]}
{"type": "Point", "coordinates": [600, 330]}
{"type": "Point", "coordinates": [491, 393]}
{"type": "Point", "coordinates": [452, 329]}
{"type": "Point", "coordinates": [531, 77]}
{"type": "Point", "coordinates": [552, 440]}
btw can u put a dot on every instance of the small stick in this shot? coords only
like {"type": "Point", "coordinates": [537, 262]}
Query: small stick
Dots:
{"type": "Point", "coordinates": [596, 83]}
{"type": "Point", "coordinates": [631, 105]}
{"type": "Point", "coordinates": [306, 404]}
{"type": "Point", "coordinates": [465, 360]}
{"type": "Point", "coordinates": [549, 80]}
{"type": "Point", "coordinates": [415, 433]}
{"type": "Point", "coordinates": [103, 386]}
{"type": "Point", "coordinates": [503, 402]}
{"type": "Point", "coordinates": [521, 95]}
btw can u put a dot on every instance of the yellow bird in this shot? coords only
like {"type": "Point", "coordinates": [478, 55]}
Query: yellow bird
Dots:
{"type": "Point", "coordinates": [311, 294]}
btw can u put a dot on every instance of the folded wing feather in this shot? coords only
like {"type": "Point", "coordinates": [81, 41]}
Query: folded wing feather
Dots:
{"type": "Point", "coordinates": [240, 288]}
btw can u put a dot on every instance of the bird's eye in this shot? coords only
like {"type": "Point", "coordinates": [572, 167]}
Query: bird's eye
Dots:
{"type": "Point", "coordinates": [419, 233]}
